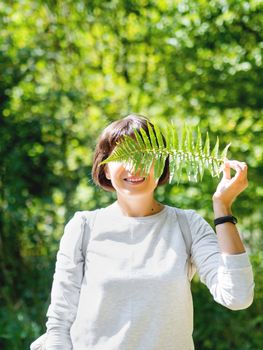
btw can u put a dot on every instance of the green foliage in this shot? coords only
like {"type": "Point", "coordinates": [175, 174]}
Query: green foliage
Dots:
{"type": "Point", "coordinates": [184, 153]}
{"type": "Point", "coordinates": [69, 68]}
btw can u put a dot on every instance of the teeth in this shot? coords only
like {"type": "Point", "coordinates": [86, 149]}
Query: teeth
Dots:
{"type": "Point", "coordinates": [135, 179]}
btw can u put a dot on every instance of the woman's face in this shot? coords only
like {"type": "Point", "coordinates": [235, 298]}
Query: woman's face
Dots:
{"type": "Point", "coordinates": [125, 182]}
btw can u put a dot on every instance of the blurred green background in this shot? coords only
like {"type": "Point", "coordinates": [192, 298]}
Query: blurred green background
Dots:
{"type": "Point", "coordinates": [69, 68]}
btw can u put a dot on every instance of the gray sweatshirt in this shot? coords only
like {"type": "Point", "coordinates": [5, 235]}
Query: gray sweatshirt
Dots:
{"type": "Point", "coordinates": [135, 293]}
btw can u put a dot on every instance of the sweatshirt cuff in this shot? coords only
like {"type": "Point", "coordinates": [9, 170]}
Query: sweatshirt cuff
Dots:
{"type": "Point", "coordinates": [235, 261]}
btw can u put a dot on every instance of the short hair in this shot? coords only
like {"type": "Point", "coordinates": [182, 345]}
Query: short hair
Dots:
{"type": "Point", "coordinates": [107, 141]}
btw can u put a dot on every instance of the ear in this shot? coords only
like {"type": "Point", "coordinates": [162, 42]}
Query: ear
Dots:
{"type": "Point", "coordinates": [106, 172]}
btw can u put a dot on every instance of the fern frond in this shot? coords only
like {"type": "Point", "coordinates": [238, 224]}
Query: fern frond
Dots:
{"type": "Point", "coordinates": [186, 153]}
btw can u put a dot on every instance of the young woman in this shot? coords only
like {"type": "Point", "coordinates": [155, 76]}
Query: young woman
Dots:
{"type": "Point", "coordinates": [134, 293]}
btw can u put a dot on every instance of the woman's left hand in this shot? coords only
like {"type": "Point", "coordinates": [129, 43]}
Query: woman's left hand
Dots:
{"type": "Point", "coordinates": [230, 187]}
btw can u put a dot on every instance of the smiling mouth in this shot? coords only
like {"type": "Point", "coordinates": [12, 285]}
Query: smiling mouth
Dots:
{"type": "Point", "coordinates": [134, 180]}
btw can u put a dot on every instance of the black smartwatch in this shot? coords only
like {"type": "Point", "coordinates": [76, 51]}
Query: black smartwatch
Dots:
{"type": "Point", "coordinates": [223, 219]}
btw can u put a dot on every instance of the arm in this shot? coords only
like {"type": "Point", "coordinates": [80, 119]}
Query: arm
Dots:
{"type": "Point", "coordinates": [66, 285]}
{"type": "Point", "coordinates": [227, 191]}
{"type": "Point", "coordinates": [221, 260]}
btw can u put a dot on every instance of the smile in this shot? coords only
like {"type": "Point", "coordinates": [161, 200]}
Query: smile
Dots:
{"type": "Point", "coordinates": [134, 180]}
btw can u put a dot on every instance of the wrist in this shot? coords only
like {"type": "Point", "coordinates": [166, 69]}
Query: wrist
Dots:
{"type": "Point", "coordinates": [224, 219]}
{"type": "Point", "coordinates": [220, 209]}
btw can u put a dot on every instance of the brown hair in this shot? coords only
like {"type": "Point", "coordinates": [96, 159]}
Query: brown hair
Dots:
{"type": "Point", "coordinates": [107, 141]}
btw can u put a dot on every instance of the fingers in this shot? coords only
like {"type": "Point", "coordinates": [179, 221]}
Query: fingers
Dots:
{"type": "Point", "coordinates": [240, 168]}
{"type": "Point", "coordinates": [226, 170]}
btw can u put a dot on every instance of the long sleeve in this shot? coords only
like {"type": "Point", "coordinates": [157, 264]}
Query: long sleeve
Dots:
{"type": "Point", "coordinates": [66, 285]}
{"type": "Point", "coordinates": [228, 277]}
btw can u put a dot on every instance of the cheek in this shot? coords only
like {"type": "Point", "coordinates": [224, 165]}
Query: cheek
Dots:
{"type": "Point", "coordinates": [113, 171]}
{"type": "Point", "coordinates": [154, 181]}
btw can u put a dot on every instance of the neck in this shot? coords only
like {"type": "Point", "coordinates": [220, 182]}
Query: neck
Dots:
{"type": "Point", "coordinates": [139, 206]}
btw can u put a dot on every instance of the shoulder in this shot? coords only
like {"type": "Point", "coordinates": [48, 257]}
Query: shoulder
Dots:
{"type": "Point", "coordinates": [78, 218]}
{"type": "Point", "coordinates": [195, 220]}
{"type": "Point", "coordinates": [71, 240]}
{"type": "Point", "coordinates": [190, 214]}
{"type": "Point", "coordinates": [81, 216]}
{"type": "Point", "coordinates": [76, 224]}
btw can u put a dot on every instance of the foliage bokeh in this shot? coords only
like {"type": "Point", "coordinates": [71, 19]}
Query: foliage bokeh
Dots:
{"type": "Point", "coordinates": [68, 68]}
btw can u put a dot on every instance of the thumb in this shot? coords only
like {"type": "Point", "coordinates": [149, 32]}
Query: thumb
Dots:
{"type": "Point", "coordinates": [226, 170]}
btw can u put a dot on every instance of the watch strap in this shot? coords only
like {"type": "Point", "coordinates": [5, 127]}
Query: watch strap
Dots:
{"type": "Point", "coordinates": [223, 219]}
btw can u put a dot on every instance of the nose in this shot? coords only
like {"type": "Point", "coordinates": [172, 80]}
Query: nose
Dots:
{"type": "Point", "coordinates": [130, 168]}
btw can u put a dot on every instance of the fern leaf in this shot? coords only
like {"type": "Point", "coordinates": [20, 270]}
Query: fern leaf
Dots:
{"type": "Point", "coordinates": [139, 139]}
{"type": "Point", "coordinates": [172, 166]}
{"type": "Point", "coordinates": [189, 139]}
{"type": "Point", "coordinates": [201, 169]}
{"type": "Point", "coordinates": [174, 138]}
{"type": "Point", "coordinates": [178, 170]}
{"type": "Point", "coordinates": [147, 165]}
{"type": "Point", "coordinates": [159, 136]}
{"type": "Point", "coordinates": [207, 145]}
{"type": "Point", "coordinates": [198, 147]}
{"type": "Point", "coordinates": [182, 140]}
{"type": "Point", "coordinates": [185, 152]}
{"type": "Point", "coordinates": [145, 139]}
{"type": "Point", "coordinates": [152, 137]}
{"type": "Point", "coordinates": [224, 152]}
{"type": "Point", "coordinates": [215, 150]}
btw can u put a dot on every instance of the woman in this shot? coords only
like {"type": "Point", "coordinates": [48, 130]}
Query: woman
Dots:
{"type": "Point", "coordinates": [135, 292]}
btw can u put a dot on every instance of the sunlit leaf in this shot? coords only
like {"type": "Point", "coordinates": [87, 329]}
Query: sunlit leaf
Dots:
{"type": "Point", "coordinates": [190, 157]}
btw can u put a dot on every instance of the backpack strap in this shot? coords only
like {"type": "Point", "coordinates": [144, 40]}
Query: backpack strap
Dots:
{"type": "Point", "coordinates": [89, 223]}
{"type": "Point", "coordinates": [185, 228]}
{"type": "Point", "coordinates": [187, 236]}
